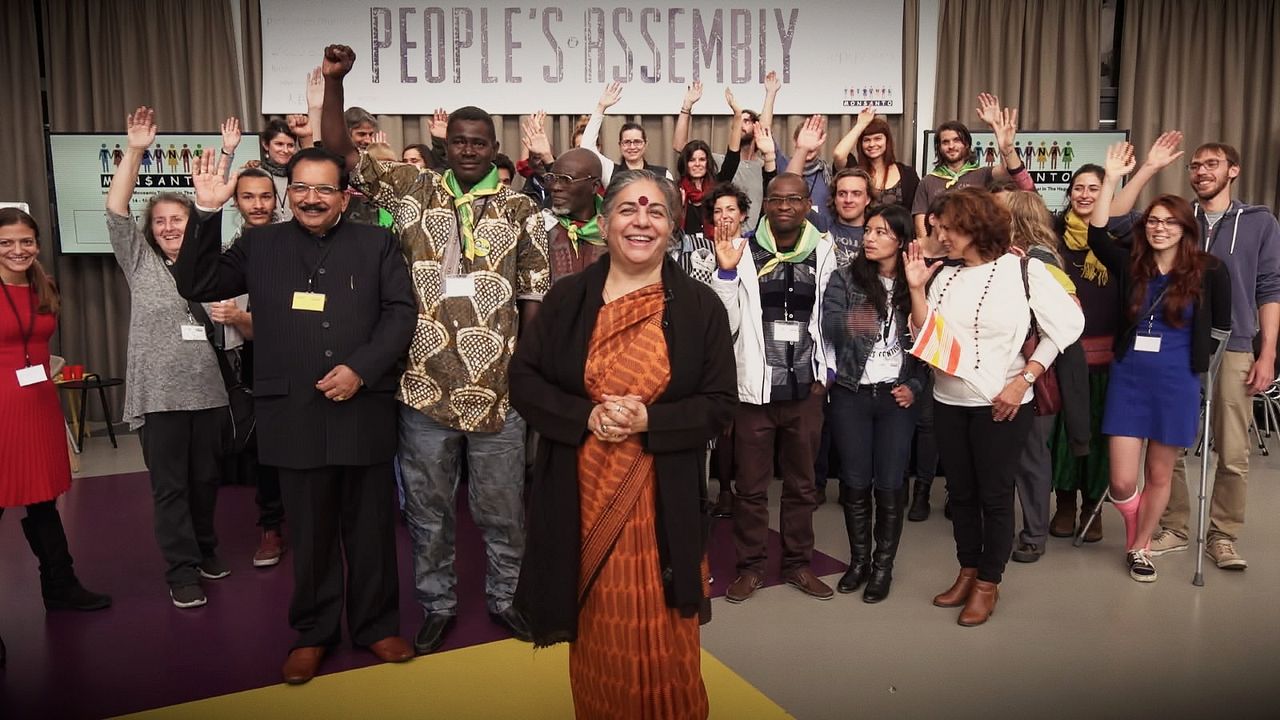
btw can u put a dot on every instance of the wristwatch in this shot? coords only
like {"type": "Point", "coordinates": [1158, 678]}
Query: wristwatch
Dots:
{"type": "Point", "coordinates": [1029, 376]}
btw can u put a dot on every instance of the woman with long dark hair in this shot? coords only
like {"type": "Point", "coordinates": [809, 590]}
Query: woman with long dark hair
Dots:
{"type": "Point", "coordinates": [1175, 309]}
{"type": "Point", "coordinates": [873, 410]}
{"type": "Point", "coordinates": [697, 171]}
{"type": "Point", "coordinates": [869, 146]}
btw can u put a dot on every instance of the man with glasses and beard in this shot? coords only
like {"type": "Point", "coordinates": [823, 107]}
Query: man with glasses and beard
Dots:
{"type": "Point", "coordinates": [478, 256]}
{"type": "Point", "coordinates": [574, 240]}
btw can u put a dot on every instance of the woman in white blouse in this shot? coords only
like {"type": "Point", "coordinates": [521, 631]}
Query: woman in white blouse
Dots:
{"type": "Point", "coordinates": [972, 320]}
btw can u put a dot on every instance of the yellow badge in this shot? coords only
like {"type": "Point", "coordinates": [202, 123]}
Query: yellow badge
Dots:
{"type": "Point", "coordinates": [481, 246]}
{"type": "Point", "coordinates": [308, 301]}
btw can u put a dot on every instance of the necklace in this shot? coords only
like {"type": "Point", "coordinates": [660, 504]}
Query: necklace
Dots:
{"type": "Point", "coordinates": [986, 288]}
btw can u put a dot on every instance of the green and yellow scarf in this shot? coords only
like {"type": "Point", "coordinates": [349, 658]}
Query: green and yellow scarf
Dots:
{"type": "Point", "coordinates": [588, 231]}
{"type": "Point", "coordinates": [808, 241]}
{"type": "Point", "coordinates": [1076, 238]}
{"type": "Point", "coordinates": [951, 176]}
{"type": "Point", "coordinates": [462, 202]}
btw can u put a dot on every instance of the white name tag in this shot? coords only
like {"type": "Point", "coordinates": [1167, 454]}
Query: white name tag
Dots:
{"type": "Point", "coordinates": [31, 375]}
{"type": "Point", "coordinates": [193, 332]}
{"type": "Point", "coordinates": [786, 331]}
{"type": "Point", "coordinates": [459, 286]}
{"type": "Point", "coordinates": [1146, 343]}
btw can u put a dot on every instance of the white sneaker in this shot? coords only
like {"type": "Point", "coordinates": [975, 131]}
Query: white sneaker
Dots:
{"type": "Point", "coordinates": [1167, 541]}
{"type": "Point", "coordinates": [1224, 555]}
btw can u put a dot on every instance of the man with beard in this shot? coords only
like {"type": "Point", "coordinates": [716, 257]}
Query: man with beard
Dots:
{"type": "Point", "coordinates": [952, 144]}
{"type": "Point", "coordinates": [327, 356]}
{"type": "Point", "coordinates": [574, 240]}
{"type": "Point", "coordinates": [773, 295]}
{"type": "Point", "coordinates": [1247, 239]}
{"type": "Point", "coordinates": [478, 256]}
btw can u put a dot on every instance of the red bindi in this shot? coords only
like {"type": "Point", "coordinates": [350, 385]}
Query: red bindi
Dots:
{"type": "Point", "coordinates": [643, 201]}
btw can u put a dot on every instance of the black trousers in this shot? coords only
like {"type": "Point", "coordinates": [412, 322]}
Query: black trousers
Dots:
{"type": "Point", "coordinates": [183, 453]}
{"type": "Point", "coordinates": [981, 456]}
{"type": "Point", "coordinates": [337, 513]}
{"type": "Point", "coordinates": [270, 502]}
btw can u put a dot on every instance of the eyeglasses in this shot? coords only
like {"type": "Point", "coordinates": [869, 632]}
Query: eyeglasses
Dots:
{"type": "Point", "coordinates": [776, 201]}
{"type": "Point", "coordinates": [550, 179]}
{"type": "Point", "coordinates": [301, 188]}
{"type": "Point", "coordinates": [631, 143]}
{"type": "Point", "coordinates": [1209, 165]}
{"type": "Point", "coordinates": [1155, 222]}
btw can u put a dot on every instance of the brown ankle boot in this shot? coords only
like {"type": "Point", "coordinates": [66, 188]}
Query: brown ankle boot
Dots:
{"type": "Point", "coordinates": [981, 604]}
{"type": "Point", "coordinates": [1063, 523]}
{"type": "Point", "coordinates": [1094, 534]}
{"type": "Point", "coordinates": [959, 592]}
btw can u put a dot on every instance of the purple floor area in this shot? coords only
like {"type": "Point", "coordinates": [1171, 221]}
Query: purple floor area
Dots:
{"type": "Point", "coordinates": [144, 653]}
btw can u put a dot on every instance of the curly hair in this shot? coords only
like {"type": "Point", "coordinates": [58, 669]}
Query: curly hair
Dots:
{"type": "Point", "coordinates": [1188, 265]}
{"type": "Point", "coordinates": [976, 213]}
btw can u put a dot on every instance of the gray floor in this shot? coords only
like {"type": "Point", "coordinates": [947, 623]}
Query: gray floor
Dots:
{"type": "Point", "coordinates": [1072, 636]}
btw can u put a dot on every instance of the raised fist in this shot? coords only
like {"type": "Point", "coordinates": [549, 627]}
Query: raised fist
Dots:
{"type": "Point", "coordinates": [338, 60]}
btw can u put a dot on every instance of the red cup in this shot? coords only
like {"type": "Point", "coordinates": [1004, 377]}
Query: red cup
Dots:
{"type": "Point", "coordinates": [73, 372]}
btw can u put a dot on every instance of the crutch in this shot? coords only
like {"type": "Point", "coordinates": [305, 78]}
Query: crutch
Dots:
{"type": "Point", "coordinates": [1214, 364]}
{"type": "Point", "coordinates": [1097, 510]}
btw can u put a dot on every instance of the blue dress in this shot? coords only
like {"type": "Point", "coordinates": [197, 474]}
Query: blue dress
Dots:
{"type": "Point", "coordinates": [1155, 395]}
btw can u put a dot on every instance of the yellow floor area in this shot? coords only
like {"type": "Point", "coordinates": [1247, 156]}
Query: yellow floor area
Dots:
{"type": "Point", "coordinates": [505, 679]}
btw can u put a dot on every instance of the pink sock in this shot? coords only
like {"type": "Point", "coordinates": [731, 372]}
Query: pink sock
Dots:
{"type": "Point", "coordinates": [1129, 511]}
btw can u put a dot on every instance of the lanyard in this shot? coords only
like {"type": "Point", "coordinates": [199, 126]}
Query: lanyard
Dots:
{"type": "Point", "coordinates": [1151, 311]}
{"type": "Point", "coordinates": [27, 332]}
{"type": "Point", "coordinates": [324, 255]}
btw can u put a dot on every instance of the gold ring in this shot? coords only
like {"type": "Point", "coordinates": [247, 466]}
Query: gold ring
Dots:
{"type": "Point", "coordinates": [340, 398]}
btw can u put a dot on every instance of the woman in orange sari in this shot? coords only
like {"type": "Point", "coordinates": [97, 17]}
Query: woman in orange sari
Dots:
{"type": "Point", "coordinates": [626, 374]}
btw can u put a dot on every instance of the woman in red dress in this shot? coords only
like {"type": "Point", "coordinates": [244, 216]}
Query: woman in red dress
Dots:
{"type": "Point", "coordinates": [33, 439]}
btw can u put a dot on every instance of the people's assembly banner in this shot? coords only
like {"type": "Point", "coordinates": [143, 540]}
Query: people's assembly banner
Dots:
{"type": "Point", "coordinates": [83, 164]}
{"type": "Point", "coordinates": [833, 56]}
{"type": "Point", "coordinates": [1050, 156]}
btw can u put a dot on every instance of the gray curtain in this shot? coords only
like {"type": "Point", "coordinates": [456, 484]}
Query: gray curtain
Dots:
{"type": "Point", "coordinates": [1040, 56]}
{"type": "Point", "coordinates": [1207, 68]}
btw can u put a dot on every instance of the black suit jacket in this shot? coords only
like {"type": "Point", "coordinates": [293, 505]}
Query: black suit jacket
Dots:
{"type": "Point", "coordinates": [368, 319]}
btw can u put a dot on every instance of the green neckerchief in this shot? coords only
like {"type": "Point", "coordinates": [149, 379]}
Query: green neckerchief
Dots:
{"type": "Point", "coordinates": [808, 241]}
{"type": "Point", "coordinates": [489, 185]}
{"type": "Point", "coordinates": [951, 176]}
{"type": "Point", "coordinates": [588, 231]}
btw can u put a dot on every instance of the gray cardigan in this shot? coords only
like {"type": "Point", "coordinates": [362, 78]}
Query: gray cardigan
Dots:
{"type": "Point", "coordinates": [165, 372]}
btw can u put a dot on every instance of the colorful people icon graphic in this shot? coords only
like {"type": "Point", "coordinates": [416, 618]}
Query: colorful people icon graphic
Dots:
{"type": "Point", "coordinates": [173, 159]}
{"type": "Point", "coordinates": [1042, 155]}
{"type": "Point", "coordinates": [104, 157]}
{"type": "Point", "coordinates": [185, 155]}
{"type": "Point", "coordinates": [990, 154]}
{"type": "Point", "coordinates": [158, 154]}
{"type": "Point", "coordinates": [146, 162]}
{"type": "Point", "coordinates": [1054, 153]}
{"type": "Point", "coordinates": [1068, 154]}
{"type": "Point", "coordinates": [117, 156]}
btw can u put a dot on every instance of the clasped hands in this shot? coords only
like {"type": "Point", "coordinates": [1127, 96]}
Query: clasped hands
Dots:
{"type": "Point", "coordinates": [617, 417]}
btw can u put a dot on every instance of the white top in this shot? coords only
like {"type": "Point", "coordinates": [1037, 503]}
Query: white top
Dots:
{"type": "Point", "coordinates": [885, 361]}
{"type": "Point", "coordinates": [591, 138]}
{"type": "Point", "coordinates": [1002, 324]}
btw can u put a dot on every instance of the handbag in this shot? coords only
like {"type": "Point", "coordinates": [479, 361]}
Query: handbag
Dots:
{"type": "Point", "coordinates": [1048, 396]}
{"type": "Point", "coordinates": [239, 395]}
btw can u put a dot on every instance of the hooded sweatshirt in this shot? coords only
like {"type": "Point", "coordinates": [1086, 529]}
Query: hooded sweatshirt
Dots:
{"type": "Point", "coordinates": [1247, 241]}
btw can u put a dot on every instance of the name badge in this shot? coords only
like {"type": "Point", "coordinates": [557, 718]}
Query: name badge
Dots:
{"type": "Point", "coordinates": [786, 331]}
{"type": "Point", "coordinates": [193, 332]}
{"type": "Point", "coordinates": [1146, 343]}
{"type": "Point", "coordinates": [459, 286]}
{"type": "Point", "coordinates": [31, 375]}
{"type": "Point", "coordinates": [313, 302]}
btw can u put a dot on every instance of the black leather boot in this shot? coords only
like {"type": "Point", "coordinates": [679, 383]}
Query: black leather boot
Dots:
{"type": "Point", "coordinates": [58, 583]}
{"type": "Point", "coordinates": [919, 511]}
{"type": "Point", "coordinates": [890, 507]}
{"type": "Point", "coordinates": [857, 522]}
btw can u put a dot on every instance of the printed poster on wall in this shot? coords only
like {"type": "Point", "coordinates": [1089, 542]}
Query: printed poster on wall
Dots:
{"type": "Point", "coordinates": [833, 56]}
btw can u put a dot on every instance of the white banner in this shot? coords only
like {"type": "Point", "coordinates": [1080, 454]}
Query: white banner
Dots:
{"type": "Point", "coordinates": [83, 164]}
{"type": "Point", "coordinates": [833, 56]}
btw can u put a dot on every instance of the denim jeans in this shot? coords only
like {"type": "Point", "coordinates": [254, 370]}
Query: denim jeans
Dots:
{"type": "Point", "coordinates": [872, 433]}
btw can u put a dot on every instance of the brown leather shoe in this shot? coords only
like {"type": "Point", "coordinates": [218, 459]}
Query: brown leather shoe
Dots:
{"type": "Point", "coordinates": [724, 505]}
{"type": "Point", "coordinates": [958, 594]}
{"type": "Point", "coordinates": [392, 649]}
{"type": "Point", "coordinates": [742, 588]}
{"type": "Point", "coordinates": [1094, 533]}
{"type": "Point", "coordinates": [806, 582]}
{"type": "Point", "coordinates": [981, 604]}
{"type": "Point", "coordinates": [1063, 524]}
{"type": "Point", "coordinates": [270, 548]}
{"type": "Point", "coordinates": [302, 664]}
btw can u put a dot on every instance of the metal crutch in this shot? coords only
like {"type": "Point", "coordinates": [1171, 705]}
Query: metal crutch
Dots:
{"type": "Point", "coordinates": [1214, 364]}
{"type": "Point", "coordinates": [1097, 510]}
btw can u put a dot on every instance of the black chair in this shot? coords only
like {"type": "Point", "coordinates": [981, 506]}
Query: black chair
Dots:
{"type": "Point", "coordinates": [91, 381]}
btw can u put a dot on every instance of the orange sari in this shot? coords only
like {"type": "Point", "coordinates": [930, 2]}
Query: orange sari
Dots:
{"type": "Point", "coordinates": [634, 656]}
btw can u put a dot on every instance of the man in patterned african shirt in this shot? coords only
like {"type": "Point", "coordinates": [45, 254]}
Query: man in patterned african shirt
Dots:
{"type": "Point", "coordinates": [477, 254]}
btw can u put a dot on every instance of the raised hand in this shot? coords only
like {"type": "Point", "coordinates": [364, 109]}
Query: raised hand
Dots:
{"type": "Point", "coordinates": [729, 245]}
{"type": "Point", "coordinates": [1120, 160]}
{"type": "Point", "coordinates": [315, 88]}
{"type": "Point", "coordinates": [764, 140]}
{"type": "Point", "coordinates": [772, 84]}
{"type": "Point", "coordinates": [917, 269]}
{"type": "Point", "coordinates": [299, 124]}
{"type": "Point", "coordinates": [1004, 124]}
{"type": "Point", "coordinates": [230, 134]}
{"type": "Point", "coordinates": [338, 60]}
{"type": "Point", "coordinates": [378, 137]}
{"type": "Point", "coordinates": [439, 123]}
{"type": "Point", "coordinates": [1164, 151]}
{"type": "Point", "coordinates": [610, 97]}
{"type": "Point", "coordinates": [813, 134]}
{"type": "Point", "coordinates": [141, 127]}
{"type": "Point", "coordinates": [533, 134]}
{"type": "Point", "coordinates": [733, 104]}
{"type": "Point", "coordinates": [865, 116]}
{"type": "Point", "coordinates": [988, 107]}
{"type": "Point", "coordinates": [692, 94]}
{"type": "Point", "coordinates": [211, 188]}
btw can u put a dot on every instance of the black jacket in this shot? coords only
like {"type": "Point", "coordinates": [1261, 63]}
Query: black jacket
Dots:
{"type": "Point", "coordinates": [547, 389]}
{"type": "Point", "coordinates": [1211, 319]}
{"type": "Point", "coordinates": [367, 322]}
